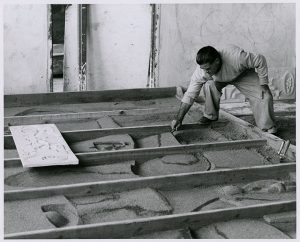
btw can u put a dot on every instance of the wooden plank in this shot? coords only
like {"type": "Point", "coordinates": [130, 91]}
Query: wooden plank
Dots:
{"type": "Point", "coordinates": [109, 157]}
{"type": "Point", "coordinates": [173, 181]}
{"type": "Point", "coordinates": [130, 228]}
{"type": "Point", "coordinates": [42, 145]}
{"type": "Point", "coordinates": [148, 153]}
{"type": "Point", "coordinates": [23, 100]}
{"type": "Point", "coordinates": [81, 116]}
{"type": "Point", "coordinates": [135, 131]}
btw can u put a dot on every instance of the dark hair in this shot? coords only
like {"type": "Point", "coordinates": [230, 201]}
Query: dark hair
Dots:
{"type": "Point", "coordinates": [207, 54]}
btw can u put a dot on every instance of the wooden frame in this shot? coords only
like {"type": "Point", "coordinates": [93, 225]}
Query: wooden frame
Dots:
{"type": "Point", "coordinates": [224, 176]}
{"type": "Point", "coordinates": [23, 100]}
{"type": "Point", "coordinates": [109, 157]}
{"type": "Point", "coordinates": [130, 228]}
{"type": "Point", "coordinates": [80, 135]}
{"type": "Point", "coordinates": [52, 118]}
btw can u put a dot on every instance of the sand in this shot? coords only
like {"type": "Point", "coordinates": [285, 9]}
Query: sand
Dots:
{"type": "Point", "coordinates": [180, 164]}
{"type": "Point", "coordinates": [169, 234]}
{"type": "Point", "coordinates": [159, 140]}
{"type": "Point", "coordinates": [285, 221]}
{"type": "Point", "coordinates": [234, 158]}
{"type": "Point", "coordinates": [121, 206]}
{"type": "Point", "coordinates": [51, 176]}
{"type": "Point", "coordinates": [204, 135]}
{"type": "Point", "coordinates": [106, 143]}
{"type": "Point", "coordinates": [39, 213]}
{"type": "Point", "coordinates": [240, 229]}
{"type": "Point", "coordinates": [194, 199]}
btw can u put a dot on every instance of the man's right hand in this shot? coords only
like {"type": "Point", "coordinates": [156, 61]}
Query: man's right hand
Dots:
{"type": "Point", "coordinates": [175, 125]}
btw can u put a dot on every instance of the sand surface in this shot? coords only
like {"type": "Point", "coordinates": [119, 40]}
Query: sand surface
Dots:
{"type": "Point", "coordinates": [170, 234]}
{"type": "Point", "coordinates": [39, 213]}
{"type": "Point", "coordinates": [52, 176]}
{"type": "Point", "coordinates": [240, 229]}
{"type": "Point", "coordinates": [121, 206]}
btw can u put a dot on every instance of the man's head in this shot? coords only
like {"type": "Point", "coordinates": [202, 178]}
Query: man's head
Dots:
{"type": "Point", "coordinates": [209, 60]}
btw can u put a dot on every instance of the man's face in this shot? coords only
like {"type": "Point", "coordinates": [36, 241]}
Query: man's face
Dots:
{"type": "Point", "coordinates": [213, 68]}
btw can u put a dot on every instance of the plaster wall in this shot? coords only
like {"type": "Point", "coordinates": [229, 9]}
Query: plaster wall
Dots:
{"type": "Point", "coordinates": [25, 46]}
{"type": "Point", "coordinates": [266, 28]}
{"type": "Point", "coordinates": [118, 46]}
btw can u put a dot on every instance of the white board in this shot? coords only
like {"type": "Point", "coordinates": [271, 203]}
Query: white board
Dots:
{"type": "Point", "coordinates": [42, 145]}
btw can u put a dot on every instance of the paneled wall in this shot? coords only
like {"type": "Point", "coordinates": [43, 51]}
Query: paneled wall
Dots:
{"type": "Point", "coordinates": [118, 46]}
{"type": "Point", "coordinates": [25, 47]}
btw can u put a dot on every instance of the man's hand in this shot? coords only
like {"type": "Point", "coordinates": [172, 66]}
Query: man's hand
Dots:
{"type": "Point", "coordinates": [175, 125]}
{"type": "Point", "coordinates": [265, 89]}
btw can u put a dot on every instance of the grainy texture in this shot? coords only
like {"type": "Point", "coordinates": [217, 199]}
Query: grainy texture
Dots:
{"type": "Point", "coordinates": [33, 214]}
{"type": "Point", "coordinates": [240, 229]}
{"type": "Point", "coordinates": [120, 206]}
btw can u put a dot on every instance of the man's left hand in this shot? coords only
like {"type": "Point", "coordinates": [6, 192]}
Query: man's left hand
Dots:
{"type": "Point", "coordinates": [265, 89]}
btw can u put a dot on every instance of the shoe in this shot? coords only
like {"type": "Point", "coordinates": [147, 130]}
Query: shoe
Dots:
{"type": "Point", "coordinates": [205, 120]}
{"type": "Point", "coordinates": [272, 130]}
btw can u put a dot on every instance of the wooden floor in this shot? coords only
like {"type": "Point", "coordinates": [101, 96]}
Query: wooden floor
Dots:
{"type": "Point", "coordinates": [142, 118]}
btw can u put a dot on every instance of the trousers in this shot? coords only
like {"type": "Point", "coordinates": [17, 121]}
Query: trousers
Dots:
{"type": "Point", "coordinates": [248, 84]}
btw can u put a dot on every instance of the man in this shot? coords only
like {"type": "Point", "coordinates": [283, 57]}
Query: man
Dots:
{"type": "Point", "coordinates": [248, 72]}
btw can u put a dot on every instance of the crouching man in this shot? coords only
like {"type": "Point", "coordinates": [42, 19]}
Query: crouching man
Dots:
{"type": "Point", "coordinates": [248, 72]}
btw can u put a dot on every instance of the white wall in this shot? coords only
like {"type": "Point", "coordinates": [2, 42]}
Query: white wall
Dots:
{"type": "Point", "coordinates": [25, 48]}
{"type": "Point", "coordinates": [118, 46]}
{"type": "Point", "coordinates": [268, 29]}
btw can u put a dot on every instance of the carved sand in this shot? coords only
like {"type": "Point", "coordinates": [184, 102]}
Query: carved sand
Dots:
{"type": "Point", "coordinates": [240, 229]}
{"type": "Point", "coordinates": [121, 206]}
{"type": "Point", "coordinates": [39, 213]}
{"type": "Point", "coordinates": [52, 176]}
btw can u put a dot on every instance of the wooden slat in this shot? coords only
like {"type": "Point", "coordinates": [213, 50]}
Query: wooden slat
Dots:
{"type": "Point", "coordinates": [130, 228]}
{"type": "Point", "coordinates": [80, 135]}
{"type": "Point", "coordinates": [23, 100]}
{"type": "Point", "coordinates": [81, 116]}
{"type": "Point", "coordinates": [173, 181]}
{"type": "Point", "coordinates": [109, 157]}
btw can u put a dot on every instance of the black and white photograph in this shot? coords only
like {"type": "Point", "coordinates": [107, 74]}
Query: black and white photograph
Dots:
{"type": "Point", "coordinates": [149, 120]}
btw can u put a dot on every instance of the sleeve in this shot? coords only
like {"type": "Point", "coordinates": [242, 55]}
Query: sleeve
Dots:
{"type": "Point", "coordinates": [196, 83]}
{"type": "Point", "coordinates": [249, 60]}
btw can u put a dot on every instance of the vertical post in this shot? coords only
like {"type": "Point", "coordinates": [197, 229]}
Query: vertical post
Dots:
{"type": "Point", "coordinates": [153, 73]}
{"type": "Point", "coordinates": [49, 50]}
{"type": "Point", "coordinates": [71, 49]}
{"type": "Point", "coordinates": [82, 46]}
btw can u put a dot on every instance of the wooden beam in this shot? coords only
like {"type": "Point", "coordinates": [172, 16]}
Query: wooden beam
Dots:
{"type": "Point", "coordinates": [130, 228]}
{"type": "Point", "coordinates": [23, 100]}
{"type": "Point", "coordinates": [173, 181]}
{"type": "Point", "coordinates": [135, 132]}
{"type": "Point", "coordinates": [109, 157]}
{"type": "Point", "coordinates": [82, 116]}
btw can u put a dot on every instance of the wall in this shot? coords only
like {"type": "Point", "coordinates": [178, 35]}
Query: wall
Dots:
{"type": "Point", "coordinates": [118, 46]}
{"type": "Point", "coordinates": [268, 29]}
{"type": "Point", "coordinates": [25, 48]}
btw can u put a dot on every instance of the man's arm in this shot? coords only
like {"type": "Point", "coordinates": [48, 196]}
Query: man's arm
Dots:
{"type": "Point", "coordinates": [184, 108]}
{"type": "Point", "coordinates": [257, 61]}
{"type": "Point", "coordinates": [250, 60]}
{"type": "Point", "coordinates": [189, 96]}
